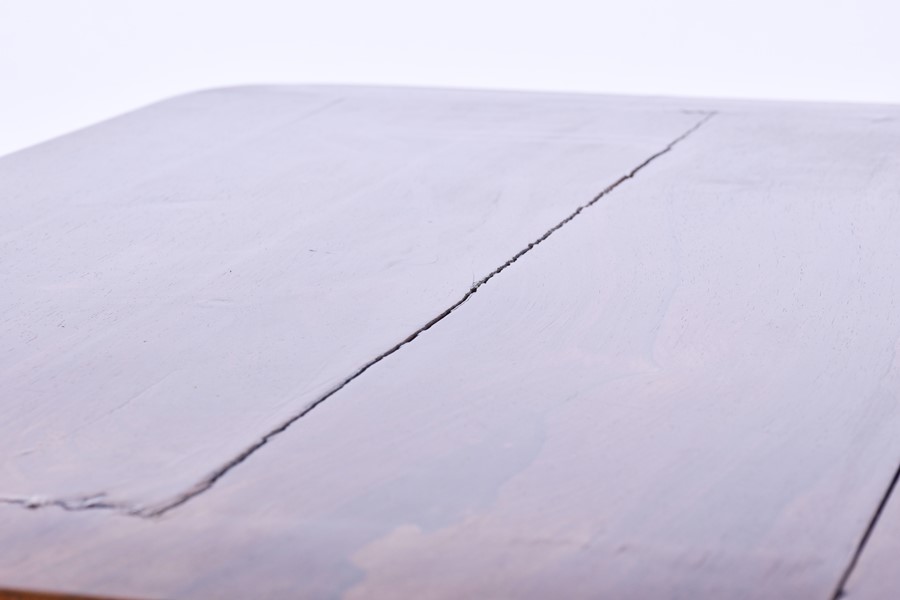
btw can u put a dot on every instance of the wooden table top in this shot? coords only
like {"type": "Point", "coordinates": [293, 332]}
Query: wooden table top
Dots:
{"type": "Point", "coordinates": [324, 342]}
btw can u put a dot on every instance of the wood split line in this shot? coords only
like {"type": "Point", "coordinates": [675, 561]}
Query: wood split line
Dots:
{"type": "Point", "coordinates": [95, 502]}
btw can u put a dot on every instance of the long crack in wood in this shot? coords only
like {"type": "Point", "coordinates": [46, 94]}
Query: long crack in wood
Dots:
{"type": "Point", "coordinates": [96, 502]}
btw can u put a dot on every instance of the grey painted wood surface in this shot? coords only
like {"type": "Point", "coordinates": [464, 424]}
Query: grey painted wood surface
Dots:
{"type": "Point", "coordinates": [182, 280]}
{"type": "Point", "coordinates": [688, 390]}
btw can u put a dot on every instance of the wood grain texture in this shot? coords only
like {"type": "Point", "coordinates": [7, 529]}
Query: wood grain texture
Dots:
{"type": "Point", "coordinates": [687, 391]}
{"type": "Point", "coordinates": [690, 392]}
{"type": "Point", "coordinates": [183, 280]}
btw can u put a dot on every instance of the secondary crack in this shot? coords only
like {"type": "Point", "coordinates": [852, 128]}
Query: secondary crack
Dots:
{"type": "Point", "coordinates": [840, 590]}
{"type": "Point", "coordinates": [96, 502]}
{"type": "Point", "coordinates": [76, 503]}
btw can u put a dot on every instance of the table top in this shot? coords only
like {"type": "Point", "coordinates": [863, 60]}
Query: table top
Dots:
{"type": "Point", "coordinates": [312, 341]}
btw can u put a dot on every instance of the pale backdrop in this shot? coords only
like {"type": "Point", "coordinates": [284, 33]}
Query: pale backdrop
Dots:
{"type": "Point", "coordinates": [65, 64]}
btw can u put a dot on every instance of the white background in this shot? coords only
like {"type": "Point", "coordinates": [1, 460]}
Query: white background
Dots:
{"type": "Point", "coordinates": [67, 63]}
